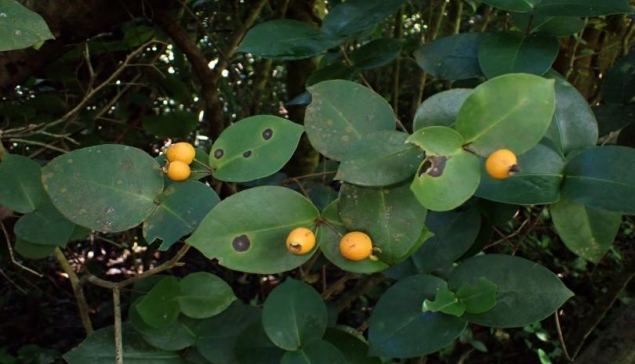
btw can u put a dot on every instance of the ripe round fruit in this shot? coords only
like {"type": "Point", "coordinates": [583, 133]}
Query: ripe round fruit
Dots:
{"type": "Point", "coordinates": [300, 241]}
{"type": "Point", "coordinates": [182, 151]}
{"type": "Point", "coordinates": [178, 171]}
{"type": "Point", "coordinates": [356, 246]}
{"type": "Point", "coordinates": [501, 164]}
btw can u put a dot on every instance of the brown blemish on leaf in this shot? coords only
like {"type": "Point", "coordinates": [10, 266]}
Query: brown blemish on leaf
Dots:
{"type": "Point", "coordinates": [267, 134]}
{"type": "Point", "coordinates": [241, 243]}
{"type": "Point", "coordinates": [218, 153]}
{"type": "Point", "coordinates": [127, 164]}
{"type": "Point", "coordinates": [433, 166]}
{"type": "Point", "coordinates": [247, 154]}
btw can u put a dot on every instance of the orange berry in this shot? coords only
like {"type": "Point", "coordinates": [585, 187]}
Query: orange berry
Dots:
{"type": "Point", "coordinates": [300, 241]}
{"type": "Point", "coordinates": [356, 246]}
{"type": "Point", "coordinates": [501, 164]}
{"type": "Point", "coordinates": [178, 171]}
{"type": "Point", "coordinates": [181, 151]}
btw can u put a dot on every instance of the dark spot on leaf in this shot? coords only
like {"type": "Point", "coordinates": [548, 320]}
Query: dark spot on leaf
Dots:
{"type": "Point", "coordinates": [247, 154]}
{"type": "Point", "coordinates": [433, 166]}
{"type": "Point", "coordinates": [127, 164]}
{"type": "Point", "coordinates": [267, 134]}
{"type": "Point", "coordinates": [241, 243]}
{"type": "Point", "coordinates": [218, 153]}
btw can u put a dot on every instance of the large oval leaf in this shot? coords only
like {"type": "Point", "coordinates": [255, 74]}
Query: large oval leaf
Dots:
{"type": "Point", "coordinates": [342, 112]}
{"type": "Point", "coordinates": [391, 216]}
{"type": "Point", "coordinates": [603, 178]}
{"type": "Point", "coordinates": [107, 188]}
{"type": "Point", "coordinates": [527, 292]}
{"type": "Point", "coordinates": [247, 231]}
{"type": "Point", "coordinates": [400, 329]}
{"type": "Point", "coordinates": [357, 15]}
{"type": "Point", "coordinates": [20, 27]}
{"type": "Point", "coordinates": [21, 188]}
{"type": "Point", "coordinates": [253, 148]}
{"type": "Point", "coordinates": [294, 315]}
{"type": "Point", "coordinates": [586, 231]}
{"type": "Point", "coordinates": [176, 336]}
{"type": "Point", "coordinates": [379, 159]}
{"type": "Point", "coordinates": [451, 58]}
{"type": "Point", "coordinates": [513, 104]}
{"type": "Point", "coordinates": [441, 109]}
{"type": "Point", "coordinates": [160, 307]}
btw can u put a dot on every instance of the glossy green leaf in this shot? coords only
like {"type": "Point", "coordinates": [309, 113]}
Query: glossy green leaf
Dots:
{"type": "Point", "coordinates": [341, 113]}
{"type": "Point", "coordinates": [527, 292]}
{"type": "Point", "coordinates": [21, 188]}
{"type": "Point", "coordinates": [582, 8]}
{"type": "Point", "coordinates": [160, 307]}
{"type": "Point", "coordinates": [479, 297]}
{"type": "Point", "coordinates": [618, 85]}
{"type": "Point", "coordinates": [177, 124]}
{"type": "Point", "coordinates": [294, 315]}
{"type": "Point", "coordinates": [446, 302]}
{"type": "Point", "coordinates": [574, 125]}
{"type": "Point", "coordinates": [399, 328]}
{"type": "Point", "coordinates": [513, 5]}
{"type": "Point", "coordinates": [286, 39]}
{"type": "Point", "coordinates": [441, 109]}
{"type": "Point", "coordinates": [20, 27]}
{"type": "Point", "coordinates": [513, 104]}
{"type": "Point", "coordinates": [514, 52]}
{"type": "Point", "coordinates": [217, 336]}
{"type": "Point", "coordinates": [316, 352]}
{"type": "Point", "coordinates": [120, 182]}
{"type": "Point", "coordinates": [177, 335]}
{"type": "Point", "coordinates": [357, 15]}
{"type": "Point", "coordinates": [255, 242]}
{"type": "Point", "coordinates": [45, 226]}
{"type": "Point", "coordinates": [254, 147]}
{"type": "Point", "coordinates": [329, 235]}
{"type": "Point", "coordinates": [437, 140]}
{"type": "Point", "coordinates": [557, 26]}
{"type": "Point", "coordinates": [204, 295]}
{"type": "Point", "coordinates": [31, 250]}
{"type": "Point", "coordinates": [353, 348]}
{"type": "Point", "coordinates": [182, 206]}
{"type": "Point", "coordinates": [538, 182]}
{"type": "Point", "coordinates": [376, 53]}
{"type": "Point", "coordinates": [391, 217]}
{"type": "Point", "coordinates": [379, 159]}
{"type": "Point", "coordinates": [586, 231]}
{"type": "Point", "coordinates": [254, 347]}
{"type": "Point", "coordinates": [451, 58]}
{"type": "Point", "coordinates": [602, 178]}
{"type": "Point", "coordinates": [99, 348]}
{"type": "Point", "coordinates": [454, 232]}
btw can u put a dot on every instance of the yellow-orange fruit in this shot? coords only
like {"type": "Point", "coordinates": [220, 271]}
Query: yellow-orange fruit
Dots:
{"type": "Point", "coordinates": [182, 151]}
{"type": "Point", "coordinates": [178, 171]}
{"type": "Point", "coordinates": [356, 246]}
{"type": "Point", "coordinates": [300, 241]}
{"type": "Point", "coordinates": [501, 164]}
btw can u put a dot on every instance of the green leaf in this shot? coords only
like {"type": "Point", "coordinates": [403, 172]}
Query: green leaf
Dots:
{"type": "Point", "coordinates": [390, 216]}
{"type": "Point", "coordinates": [21, 188]}
{"type": "Point", "coordinates": [513, 104]}
{"type": "Point", "coordinates": [376, 53]}
{"type": "Point", "coordinates": [330, 233]}
{"type": "Point", "coordinates": [316, 352]}
{"type": "Point", "coordinates": [538, 181]}
{"type": "Point", "coordinates": [294, 315]}
{"type": "Point", "coordinates": [218, 335]}
{"type": "Point", "coordinates": [31, 250]}
{"type": "Point", "coordinates": [445, 301]}
{"type": "Point", "coordinates": [398, 327]}
{"type": "Point", "coordinates": [353, 348]}
{"type": "Point", "coordinates": [254, 347]}
{"type": "Point", "coordinates": [527, 291]}
{"type": "Point", "coordinates": [479, 297]}
{"type": "Point", "coordinates": [602, 178]}
{"type": "Point", "coordinates": [441, 109]}
{"type": "Point", "coordinates": [44, 226]}
{"type": "Point", "coordinates": [253, 148]}
{"type": "Point", "coordinates": [255, 242]}
{"type": "Point", "coordinates": [20, 27]}
{"type": "Point", "coordinates": [613, 117]}
{"type": "Point", "coordinates": [120, 182]}
{"type": "Point", "coordinates": [335, 71]}
{"type": "Point", "coordinates": [618, 85]}
{"type": "Point", "coordinates": [437, 140]}
{"type": "Point", "coordinates": [177, 124]}
{"type": "Point", "coordinates": [582, 8]}
{"type": "Point", "coordinates": [557, 26]}
{"type": "Point", "coordinates": [355, 16]}
{"type": "Point", "coordinates": [454, 233]}
{"type": "Point", "coordinates": [181, 208]}
{"type": "Point", "coordinates": [341, 113]}
{"type": "Point", "coordinates": [573, 125]}
{"type": "Point", "coordinates": [160, 307]}
{"type": "Point", "coordinates": [177, 335]}
{"type": "Point", "coordinates": [513, 5]}
{"type": "Point", "coordinates": [379, 159]}
{"type": "Point", "coordinates": [451, 58]}
{"type": "Point", "coordinates": [204, 295]}
{"type": "Point", "coordinates": [286, 39]}
{"type": "Point", "coordinates": [586, 231]}
{"type": "Point", "coordinates": [99, 348]}
{"type": "Point", "coordinates": [514, 52]}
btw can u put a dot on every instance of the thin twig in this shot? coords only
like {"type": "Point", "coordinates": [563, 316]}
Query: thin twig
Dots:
{"type": "Point", "coordinates": [6, 237]}
{"type": "Point", "coordinates": [337, 285]}
{"type": "Point", "coordinates": [40, 144]}
{"type": "Point", "coordinates": [77, 290]}
{"type": "Point", "coordinates": [116, 299]}
{"type": "Point", "coordinates": [561, 337]}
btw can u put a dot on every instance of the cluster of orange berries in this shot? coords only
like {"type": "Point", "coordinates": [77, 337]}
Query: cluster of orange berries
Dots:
{"type": "Point", "coordinates": [180, 156]}
{"type": "Point", "coordinates": [354, 246]}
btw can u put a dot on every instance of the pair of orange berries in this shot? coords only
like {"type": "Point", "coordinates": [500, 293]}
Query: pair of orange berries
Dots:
{"type": "Point", "coordinates": [354, 246]}
{"type": "Point", "coordinates": [180, 156]}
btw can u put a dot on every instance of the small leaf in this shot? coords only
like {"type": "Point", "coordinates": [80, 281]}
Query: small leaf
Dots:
{"type": "Point", "coordinates": [479, 297]}
{"type": "Point", "coordinates": [204, 295]}
{"type": "Point", "coordinates": [160, 308]}
{"type": "Point", "coordinates": [451, 58]}
{"type": "Point", "coordinates": [32, 251]}
{"type": "Point", "coordinates": [445, 301]}
{"type": "Point", "coordinates": [20, 27]}
{"type": "Point", "coordinates": [176, 336]}
{"type": "Point", "coordinates": [44, 226]}
{"type": "Point", "coordinates": [21, 188]}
